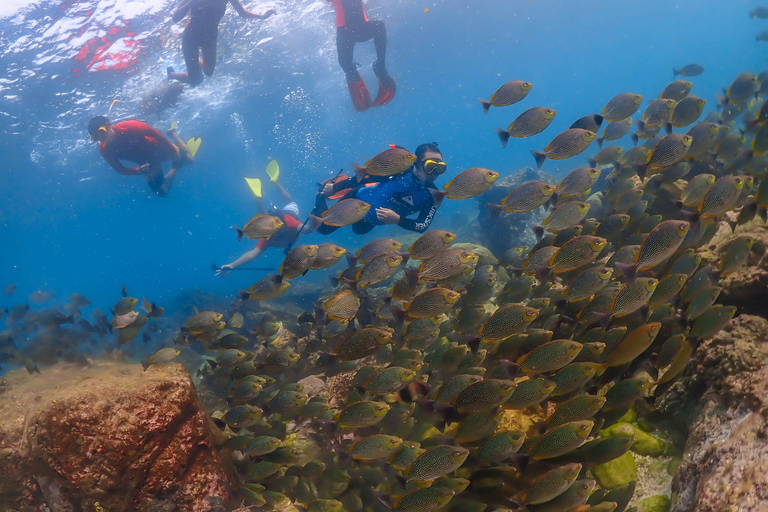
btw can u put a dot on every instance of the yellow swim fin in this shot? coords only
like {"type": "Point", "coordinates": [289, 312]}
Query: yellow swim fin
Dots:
{"type": "Point", "coordinates": [273, 170]}
{"type": "Point", "coordinates": [173, 125]}
{"type": "Point", "coordinates": [194, 144]}
{"type": "Point", "coordinates": [255, 184]}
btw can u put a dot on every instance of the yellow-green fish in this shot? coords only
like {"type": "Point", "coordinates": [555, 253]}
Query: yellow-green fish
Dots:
{"type": "Point", "coordinates": [566, 215]}
{"type": "Point", "coordinates": [377, 248]}
{"type": "Point", "coordinates": [260, 226]}
{"type": "Point", "coordinates": [575, 253]}
{"type": "Point", "coordinates": [621, 106]}
{"type": "Point", "coordinates": [723, 196]}
{"type": "Point", "coordinates": [615, 130]}
{"type": "Point", "coordinates": [431, 243]}
{"type": "Point", "coordinates": [697, 188]}
{"type": "Point", "coordinates": [658, 112]}
{"type": "Point", "coordinates": [532, 121]}
{"type": "Point", "coordinates": [298, 261]}
{"type": "Point", "coordinates": [561, 440]}
{"type": "Point", "coordinates": [378, 446]}
{"type": "Point", "coordinates": [378, 269]}
{"type": "Point", "coordinates": [270, 287]}
{"type": "Point", "coordinates": [577, 181]}
{"type": "Point", "coordinates": [677, 90]}
{"type": "Point", "coordinates": [553, 483]}
{"type": "Point", "coordinates": [508, 94]}
{"type": "Point", "coordinates": [659, 246]}
{"type": "Point", "coordinates": [389, 162]}
{"type": "Point", "coordinates": [343, 306]}
{"type": "Point", "coordinates": [436, 462]}
{"type": "Point", "coordinates": [433, 302]}
{"type": "Point", "coordinates": [550, 357]}
{"type": "Point", "coordinates": [327, 255]}
{"type": "Point", "coordinates": [567, 144]}
{"type": "Point", "coordinates": [361, 414]}
{"type": "Point", "coordinates": [345, 212]}
{"type": "Point", "coordinates": [686, 112]}
{"type": "Point", "coordinates": [507, 321]}
{"type": "Point", "coordinates": [470, 183]}
{"type": "Point", "coordinates": [364, 342]}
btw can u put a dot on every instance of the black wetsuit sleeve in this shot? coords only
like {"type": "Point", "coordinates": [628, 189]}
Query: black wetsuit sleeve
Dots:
{"type": "Point", "coordinates": [422, 222]}
{"type": "Point", "coordinates": [344, 184]}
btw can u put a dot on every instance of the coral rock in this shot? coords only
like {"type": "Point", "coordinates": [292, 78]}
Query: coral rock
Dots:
{"type": "Point", "coordinates": [725, 461]}
{"type": "Point", "coordinates": [110, 437]}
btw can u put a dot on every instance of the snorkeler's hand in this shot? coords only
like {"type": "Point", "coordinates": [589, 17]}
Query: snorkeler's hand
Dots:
{"type": "Point", "coordinates": [387, 216]}
{"type": "Point", "coordinates": [224, 271]}
{"type": "Point", "coordinates": [327, 189]}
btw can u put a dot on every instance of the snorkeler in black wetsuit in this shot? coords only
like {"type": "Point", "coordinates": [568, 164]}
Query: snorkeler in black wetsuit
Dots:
{"type": "Point", "coordinates": [352, 26]}
{"type": "Point", "coordinates": [201, 33]}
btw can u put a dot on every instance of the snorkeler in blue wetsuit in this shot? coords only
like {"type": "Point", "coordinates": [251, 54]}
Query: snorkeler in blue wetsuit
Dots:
{"type": "Point", "coordinates": [394, 198]}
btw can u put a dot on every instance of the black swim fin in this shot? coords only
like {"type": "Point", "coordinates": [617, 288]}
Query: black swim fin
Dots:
{"type": "Point", "coordinates": [387, 87]}
{"type": "Point", "coordinates": [358, 91]}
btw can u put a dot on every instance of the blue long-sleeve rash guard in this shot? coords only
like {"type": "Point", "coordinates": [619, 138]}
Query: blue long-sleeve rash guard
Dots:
{"type": "Point", "coordinates": [402, 193]}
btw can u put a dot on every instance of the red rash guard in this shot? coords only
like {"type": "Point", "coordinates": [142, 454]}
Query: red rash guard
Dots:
{"type": "Point", "coordinates": [136, 142]}
{"type": "Point", "coordinates": [284, 236]}
{"type": "Point", "coordinates": [352, 7]}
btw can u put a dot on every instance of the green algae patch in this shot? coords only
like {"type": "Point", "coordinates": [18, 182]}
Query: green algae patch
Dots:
{"type": "Point", "coordinates": [617, 472]}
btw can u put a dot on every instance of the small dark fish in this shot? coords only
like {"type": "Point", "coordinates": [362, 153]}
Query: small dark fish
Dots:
{"type": "Point", "coordinates": [10, 289]}
{"type": "Point", "coordinates": [688, 70]}
{"type": "Point", "coordinates": [591, 122]}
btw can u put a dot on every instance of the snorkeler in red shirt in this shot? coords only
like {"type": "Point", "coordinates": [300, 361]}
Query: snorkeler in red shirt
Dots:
{"type": "Point", "coordinates": [289, 214]}
{"type": "Point", "coordinates": [352, 26]}
{"type": "Point", "coordinates": [138, 142]}
{"type": "Point", "coordinates": [201, 34]}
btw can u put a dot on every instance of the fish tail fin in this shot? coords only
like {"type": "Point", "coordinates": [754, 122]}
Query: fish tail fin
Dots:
{"type": "Point", "coordinates": [314, 221]}
{"type": "Point", "coordinates": [359, 171]}
{"type": "Point", "coordinates": [494, 209]}
{"type": "Point", "coordinates": [398, 315]}
{"type": "Point", "coordinates": [351, 259]}
{"type": "Point", "coordinates": [641, 170]}
{"type": "Point", "coordinates": [604, 319]}
{"type": "Point", "coordinates": [145, 364]}
{"type": "Point", "coordinates": [240, 233]}
{"type": "Point", "coordinates": [334, 281]}
{"type": "Point", "coordinates": [600, 141]}
{"type": "Point", "coordinates": [600, 369]}
{"type": "Point", "coordinates": [592, 162]}
{"type": "Point", "coordinates": [352, 283]}
{"type": "Point", "coordinates": [539, 156]}
{"type": "Point", "coordinates": [412, 275]}
{"type": "Point", "coordinates": [675, 72]}
{"type": "Point", "coordinates": [538, 231]}
{"type": "Point", "coordinates": [486, 105]}
{"type": "Point", "coordinates": [635, 138]}
{"type": "Point", "coordinates": [503, 137]}
{"type": "Point", "coordinates": [629, 271]}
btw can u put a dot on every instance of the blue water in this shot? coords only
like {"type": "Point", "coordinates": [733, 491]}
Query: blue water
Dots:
{"type": "Point", "coordinates": [71, 224]}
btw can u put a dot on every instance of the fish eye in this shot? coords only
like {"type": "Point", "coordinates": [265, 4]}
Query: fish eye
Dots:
{"type": "Point", "coordinates": [457, 454]}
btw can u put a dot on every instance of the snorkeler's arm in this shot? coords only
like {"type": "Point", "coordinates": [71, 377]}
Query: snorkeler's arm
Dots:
{"type": "Point", "coordinates": [245, 258]}
{"type": "Point", "coordinates": [422, 222]}
{"type": "Point", "coordinates": [117, 165]}
{"type": "Point", "coordinates": [245, 13]}
{"type": "Point", "coordinates": [181, 10]}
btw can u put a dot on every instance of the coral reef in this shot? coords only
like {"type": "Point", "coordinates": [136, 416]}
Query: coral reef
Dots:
{"type": "Point", "coordinates": [108, 436]}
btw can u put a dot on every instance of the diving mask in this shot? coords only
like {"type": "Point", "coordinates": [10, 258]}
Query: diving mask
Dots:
{"type": "Point", "coordinates": [434, 166]}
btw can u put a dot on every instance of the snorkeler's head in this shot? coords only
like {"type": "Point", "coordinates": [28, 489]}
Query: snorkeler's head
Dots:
{"type": "Point", "coordinates": [97, 128]}
{"type": "Point", "coordinates": [430, 159]}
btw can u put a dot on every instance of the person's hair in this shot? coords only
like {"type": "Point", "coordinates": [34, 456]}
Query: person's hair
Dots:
{"type": "Point", "coordinates": [427, 147]}
{"type": "Point", "coordinates": [96, 123]}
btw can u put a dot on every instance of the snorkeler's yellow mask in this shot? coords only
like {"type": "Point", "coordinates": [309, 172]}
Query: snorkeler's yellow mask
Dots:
{"type": "Point", "coordinates": [434, 166]}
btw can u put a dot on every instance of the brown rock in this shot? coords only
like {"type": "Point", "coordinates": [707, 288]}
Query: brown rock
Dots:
{"type": "Point", "coordinates": [748, 287]}
{"type": "Point", "coordinates": [108, 434]}
{"type": "Point", "coordinates": [725, 396]}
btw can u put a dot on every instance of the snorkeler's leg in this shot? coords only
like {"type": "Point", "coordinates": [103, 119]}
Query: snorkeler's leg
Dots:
{"type": "Point", "coordinates": [191, 49]}
{"type": "Point", "coordinates": [387, 86]}
{"type": "Point", "coordinates": [158, 183]}
{"type": "Point", "coordinates": [285, 197]}
{"type": "Point", "coordinates": [184, 156]}
{"type": "Point", "coordinates": [358, 91]}
{"type": "Point", "coordinates": [208, 48]}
